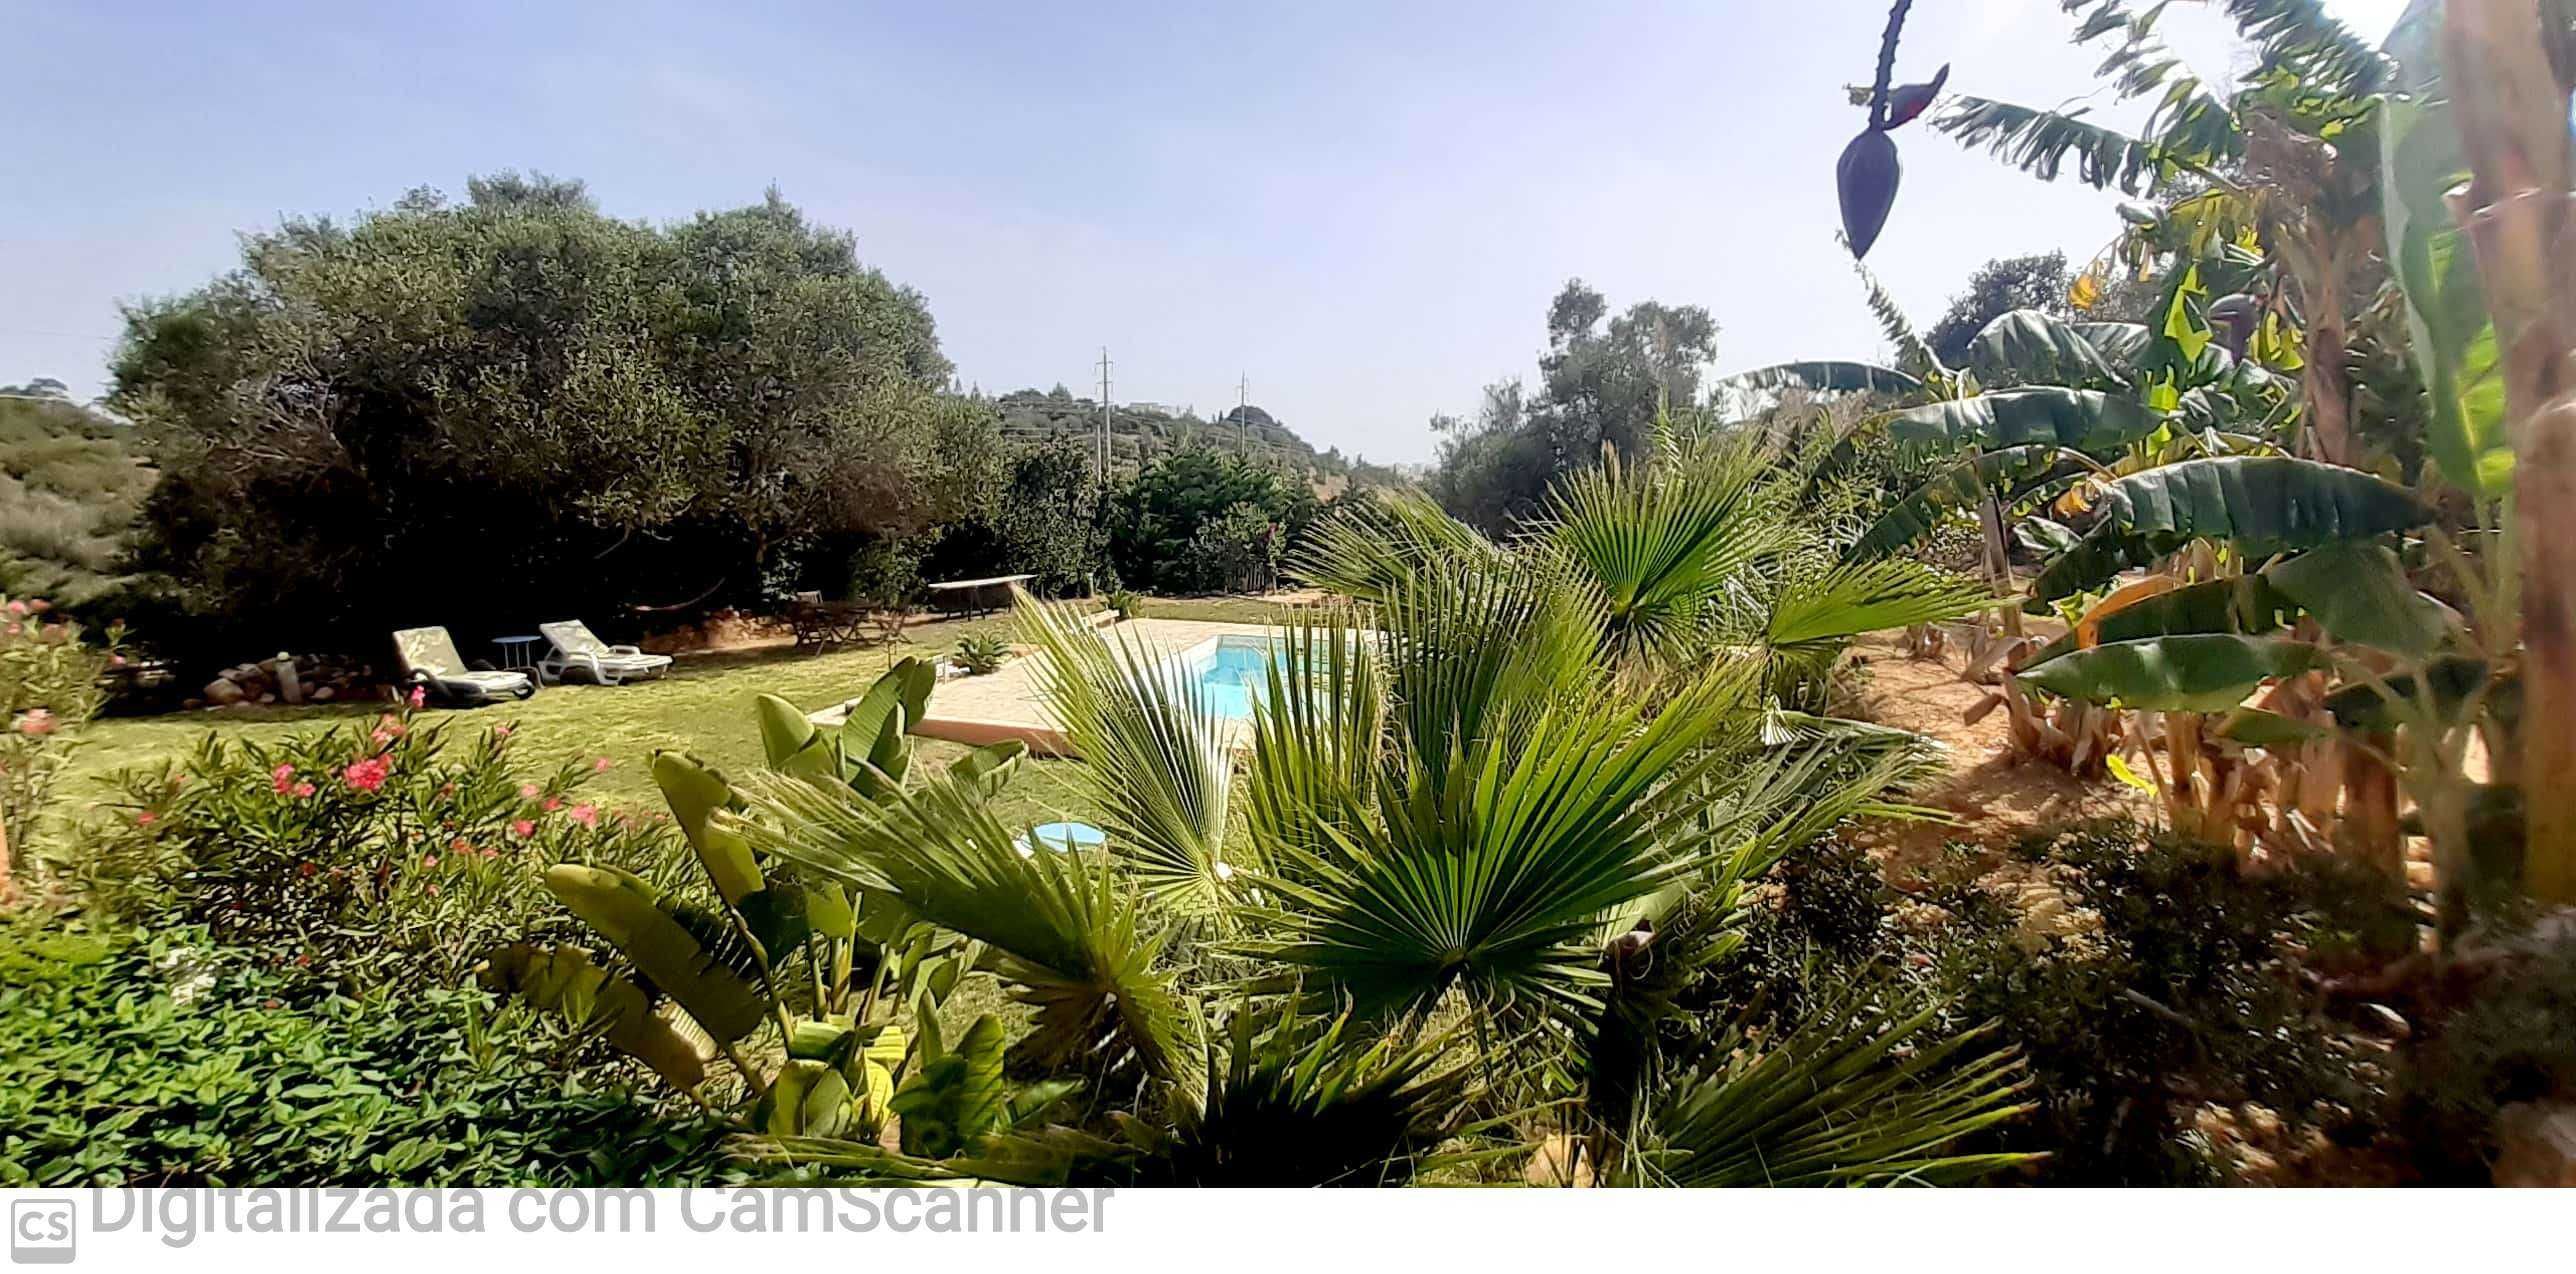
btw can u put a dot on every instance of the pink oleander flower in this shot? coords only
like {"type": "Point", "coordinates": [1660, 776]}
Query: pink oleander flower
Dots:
{"type": "Point", "coordinates": [40, 605]}
{"type": "Point", "coordinates": [528, 791]}
{"type": "Point", "coordinates": [368, 775]}
{"type": "Point", "coordinates": [282, 778]}
{"type": "Point", "coordinates": [461, 845]}
{"type": "Point", "coordinates": [429, 860]}
{"type": "Point", "coordinates": [38, 722]}
{"type": "Point", "coordinates": [391, 724]}
{"type": "Point", "coordinates": [601, 765]}
{"type": "Point", "coordinates": [303, 790]}
{"type": "Point", "coordinates": [419, 695]}
{"type": "Point", "coordinates": [552, 803]}
{"type": "Point", "coordinates": [146, 818]}
{"type": "Point", "coordinates": [586, 815]}
{"type": "Point", "coordinates": [433, 889]}
{"type": "Point", "coordinates": [17, 608]}
{"type": "Point", "coordinates": [524, 828]}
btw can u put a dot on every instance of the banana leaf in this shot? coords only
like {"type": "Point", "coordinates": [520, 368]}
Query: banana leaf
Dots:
{"type": "Point", "coordinates": [626, 911]}
{"type": "Point", "coordinates": [2361, 594]}
{"type": "Point", "coordinates": [2034, 347]}
{"type": "Point", "coordinates": [695, 792]}
{"type": "Point", "coordinates": [564, 980]}
{"type": "Point", "coordinates": [2203, 673]}
{"type": "Point", "coordinates": [2450, 679]}
{"type": "Point", "coordinates": [1824, 376]}
{"type": "Point", "coordinates": [2260, 505]}
{"type": "Point", "coordinates": [2241, 605]}
{"type": "Point", "coordinates": [2084, 419]}
{"type": "Point", "coordinates": [2451, 338]}
{"type": "Point", "coordinates": [2011, 469]}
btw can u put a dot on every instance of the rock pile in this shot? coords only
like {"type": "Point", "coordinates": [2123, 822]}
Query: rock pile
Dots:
{"type": "Point", "coordinates": [289, 679]}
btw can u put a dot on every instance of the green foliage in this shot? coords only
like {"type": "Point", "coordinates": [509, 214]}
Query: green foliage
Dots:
{"type": "Point", "coordinates": [382, 854]}
{"type": "Point", "coordinates": [981, 653]}
{"type": "Point", "coordinates": [2515, 1042]}
{"type": "Point", "coordinates": [72, 485]}
{"type": "Point", "coordinates": [1200, 521]}
{"type": "Point", "coordinates": [1043, 518]}
{"type": "Point", "coordinates": [167, 1060]}
{"type": "Point", "coordinates": [49, 684]}
{"type": "Point", "coordinates": [2208, 672]}
{"type": "Point", "coordinates": [659, 409]}
{"type": "Point", "coordinates": [1142, 433]}
{"type": "Point", "coordinates": [1602, 386]}
{"type": "Point", "coordinates": [1999, 287]}
{"type": "Point", "coordinates": [1305, 1100]}
{"type": "Point", "coordinates": [1844, 1099]}
{"type": "Point", "coordinates": [1663, 544]}
{"type": "Point", "coordinates": [2259, 505]}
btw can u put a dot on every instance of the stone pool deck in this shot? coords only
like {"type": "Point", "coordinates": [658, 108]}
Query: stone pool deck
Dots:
{"type": "Point", "coordinates": [1006, 704]}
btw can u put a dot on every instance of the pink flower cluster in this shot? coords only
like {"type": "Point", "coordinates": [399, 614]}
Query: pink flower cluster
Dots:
{"type": "Point", "coordinates": [368, 775]}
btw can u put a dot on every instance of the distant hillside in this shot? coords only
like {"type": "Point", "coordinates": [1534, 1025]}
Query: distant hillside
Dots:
{"type": "Point", "coordinates": [71, 484]}
{"type": "Point", "coordinates": [1139, 432]}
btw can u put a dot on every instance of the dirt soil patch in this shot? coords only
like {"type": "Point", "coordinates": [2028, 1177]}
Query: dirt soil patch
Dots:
{"type": "Point", "coordinates": [1993, 798]}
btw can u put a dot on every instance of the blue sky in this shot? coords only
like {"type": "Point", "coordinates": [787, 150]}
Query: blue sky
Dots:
{"type": "Point", "coordinates": [1362, 207]}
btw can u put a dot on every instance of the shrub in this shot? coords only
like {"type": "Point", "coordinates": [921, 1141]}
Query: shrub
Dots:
{"type": "Point", "coordinates": [167, 1060]}
{"type": "Point", "coordinates": [2191, 991]}
{"type": "Point", "coordinates": [1124, 602]}
{"type": "Point", "coordinates": [980, 653]}
{"type": "Point", "coordinates": [376, 854]}
{"type": "Point", "coordinates": [2163, 981]}
{"type": "Point", "coordinates": [2514, 1042]}
{"type": "Point", "coordinates": [49, 683]}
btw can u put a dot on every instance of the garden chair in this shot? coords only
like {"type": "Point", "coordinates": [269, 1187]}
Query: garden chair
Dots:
{"type": "Point", "coordinates": [577, 650]}
{"type": "Point", "coordinates": [429, 660]}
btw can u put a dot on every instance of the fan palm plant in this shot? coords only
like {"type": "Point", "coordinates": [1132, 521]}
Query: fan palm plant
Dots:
{"type": "Point", "coordinates": [1455, 810]}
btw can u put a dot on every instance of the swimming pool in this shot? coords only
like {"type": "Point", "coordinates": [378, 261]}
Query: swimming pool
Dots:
{"type": "Point", "coordinates": [1232, 673]}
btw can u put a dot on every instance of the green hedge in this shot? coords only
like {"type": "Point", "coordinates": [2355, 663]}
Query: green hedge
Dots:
{"type": "Point", "coordinates": [164, 1060]}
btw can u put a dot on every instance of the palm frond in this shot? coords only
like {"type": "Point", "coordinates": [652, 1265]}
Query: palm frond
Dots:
{"type": "Point", "coordinates": [1158, 763]}
{"type": "Point", "coordinates": [1304, 1100]}
{"type": "Point", "coordinates": [1488, 871]}
{"type": "Point", "coordinates": [1073, 939]}
{"type": "Point", "coordinates": [1854, 1096]}
{"type": "Point", "coordinates": [1660, 540]}
{"type": "Point", "coordinates": [1869, 596]}
{"type": "Point", "coordinates": [1318, 735]}
{"type": "Point", "coordinates": [1364, 549]}
{"type": "Point", "coordinates": [1471, 649]}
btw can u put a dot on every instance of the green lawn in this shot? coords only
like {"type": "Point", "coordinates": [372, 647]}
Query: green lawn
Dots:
{"type": "Point", "coordinates": [703, 706]}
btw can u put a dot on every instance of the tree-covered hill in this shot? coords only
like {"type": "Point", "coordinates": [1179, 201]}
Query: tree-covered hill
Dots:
{"type": "Point", "coordinates": [1139, 433]}
{"type": "Point", "coordinates": [71, 483]}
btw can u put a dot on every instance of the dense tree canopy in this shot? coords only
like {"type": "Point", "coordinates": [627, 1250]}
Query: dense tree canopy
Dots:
{"type": "Point", "coordinates": [2036, 282]}
{"type": "Point", "coordinates": [1202, 520]}
{"type": "Point", "coordinates": [469, 413]}
{"type": "Point", "coordinates": [1600, 385]}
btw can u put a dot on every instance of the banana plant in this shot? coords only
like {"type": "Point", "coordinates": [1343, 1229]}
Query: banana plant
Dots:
{"type": "Point", "coordinates": [823, 968]}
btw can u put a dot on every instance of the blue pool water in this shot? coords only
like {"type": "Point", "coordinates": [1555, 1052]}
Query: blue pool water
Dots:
{"type": "Point", "coordinates": [1233, 673]}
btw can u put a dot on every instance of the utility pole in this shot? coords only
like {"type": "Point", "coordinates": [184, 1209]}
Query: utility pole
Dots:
{"type": "Point", "coordinates": [1104, 418]}
{"type": "Point", "coordinates": [1243, 412]}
